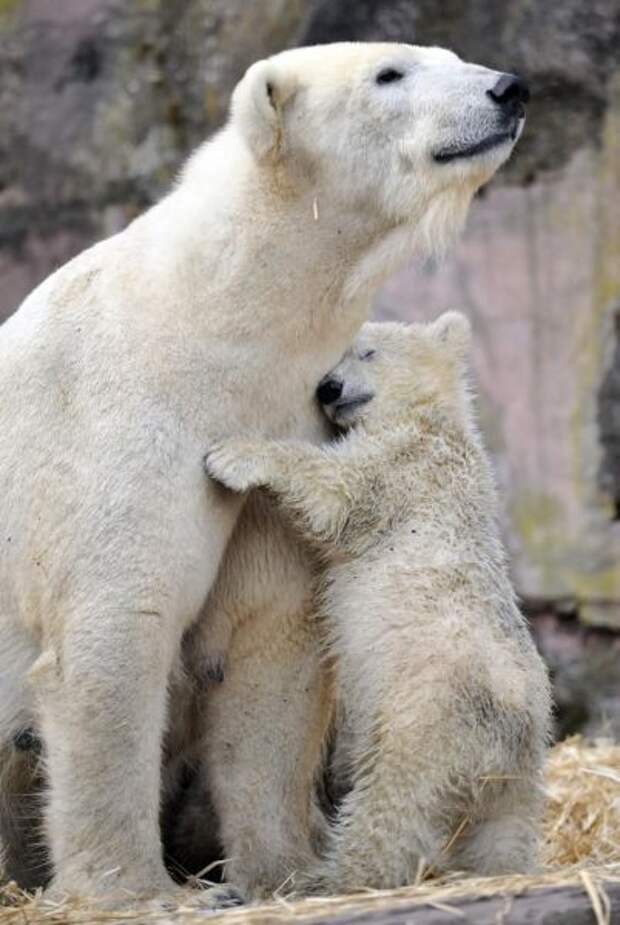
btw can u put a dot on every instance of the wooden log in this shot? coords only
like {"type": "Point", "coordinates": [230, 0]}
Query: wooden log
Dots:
{"type": "Point", "coordinates": [565, 905]}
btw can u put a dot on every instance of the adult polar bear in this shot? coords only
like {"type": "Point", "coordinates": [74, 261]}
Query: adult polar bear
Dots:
{"type": "Point", "coordinates": [213, 314]}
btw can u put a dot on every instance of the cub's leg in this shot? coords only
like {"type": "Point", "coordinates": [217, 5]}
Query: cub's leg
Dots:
{"type": "Point", "coordinates": [389, 826]}
{"type": "Point", "coordinates": [432, 789]}
{"type": "Point", "coordinates": [266, 722]}
{"type": "Point", "coordinates": [506, 839]}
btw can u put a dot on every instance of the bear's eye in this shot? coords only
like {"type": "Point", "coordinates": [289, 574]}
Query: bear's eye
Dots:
{"type": "Point", "coordinates": [368, 355]}
{"type": "Point", "coordinates": [388, 75]}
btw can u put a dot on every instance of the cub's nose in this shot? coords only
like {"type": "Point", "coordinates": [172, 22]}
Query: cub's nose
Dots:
{"type": "Point", "coordinates": [510, 90]}
{"type": "Point", "coordinates": [329, 391]}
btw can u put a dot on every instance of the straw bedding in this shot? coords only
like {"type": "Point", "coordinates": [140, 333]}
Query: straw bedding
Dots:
{"type": "Point", "coordinates": [581, 848]}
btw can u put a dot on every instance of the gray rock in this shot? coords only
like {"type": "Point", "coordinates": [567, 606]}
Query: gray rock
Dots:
{"type": "Point", "coordinates": [583, 662]}
{"type": "Point", "coordinates": [100, 102]}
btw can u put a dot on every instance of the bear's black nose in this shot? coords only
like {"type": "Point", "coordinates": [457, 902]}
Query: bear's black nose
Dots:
{"type": "Point", "coordinates": [328, 391]}
{"type": "Point", "coordinates": [510, 90]}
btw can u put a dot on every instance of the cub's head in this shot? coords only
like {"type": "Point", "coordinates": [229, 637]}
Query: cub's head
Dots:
{"type": "Point", "coordinates": [392, 370]}
{"type": "Point", "coordinates": [399, 131]}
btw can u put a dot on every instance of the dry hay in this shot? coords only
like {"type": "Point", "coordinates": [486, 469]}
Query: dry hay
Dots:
{"type": "Point", "coordinates": [582, 821]}
{"type": "Point", "coordinates": [582, 847]}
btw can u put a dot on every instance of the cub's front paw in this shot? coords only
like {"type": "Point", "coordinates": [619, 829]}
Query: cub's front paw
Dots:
{"type": "Point", "coordinates": [236, 464]}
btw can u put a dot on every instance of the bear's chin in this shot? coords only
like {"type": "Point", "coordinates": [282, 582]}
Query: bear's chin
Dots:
{"type": "Point", "coordinates": [500, 141]}
{"type": "Point", "coordinates": [491, 142]}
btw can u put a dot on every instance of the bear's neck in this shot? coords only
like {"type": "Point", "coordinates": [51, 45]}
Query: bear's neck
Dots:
{"type": "Point", "coordinates": [264, 282]}
{"type": "Point", "coordinates": [260, 254]}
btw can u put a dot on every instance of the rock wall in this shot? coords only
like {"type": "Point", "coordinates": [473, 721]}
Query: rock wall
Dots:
{"type": "Point", "coordinates": [100, 101]}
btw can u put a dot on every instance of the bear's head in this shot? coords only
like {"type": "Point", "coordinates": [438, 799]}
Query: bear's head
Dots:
{"type": "Point", "coordinates": [402, 133]}
{"type": "Point", "coordinates": [393, 371]}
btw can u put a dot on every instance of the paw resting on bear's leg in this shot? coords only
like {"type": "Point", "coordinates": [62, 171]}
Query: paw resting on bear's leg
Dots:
{"type": "Point", "coordinates": [238, 464]}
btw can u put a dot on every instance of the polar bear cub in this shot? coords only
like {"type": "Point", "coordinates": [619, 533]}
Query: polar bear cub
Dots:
{"type": "Point", "coordinates": [446, 695]}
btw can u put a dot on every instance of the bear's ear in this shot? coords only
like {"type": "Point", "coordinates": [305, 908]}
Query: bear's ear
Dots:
{"type": "Point", "coordinates": [257, 106]}
{"type": "Point", "coordinates": [454, 330]}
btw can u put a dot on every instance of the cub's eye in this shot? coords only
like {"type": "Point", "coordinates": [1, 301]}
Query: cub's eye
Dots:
{"type": "Point", "coordinates": [388, 75]}
{"type": "Point", "coordinates": [368, 355]}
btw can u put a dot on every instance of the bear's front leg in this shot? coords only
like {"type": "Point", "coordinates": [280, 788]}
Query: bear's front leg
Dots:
{"type": "Point", "coordinates": [102, 702]}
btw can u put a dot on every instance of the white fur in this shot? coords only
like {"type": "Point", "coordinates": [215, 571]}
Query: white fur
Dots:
{"type": "Point", "coordinates": [265, 723]}
{"type": "Point", "coordinates": [213, 314]}
{"type": "Point", "coordinates": [447, 700]}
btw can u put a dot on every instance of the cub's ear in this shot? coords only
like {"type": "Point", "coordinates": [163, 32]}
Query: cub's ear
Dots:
{"type": "Point", "coordinates": [257, 105]}
{"type": "Point", "coordinates": [454, 330]}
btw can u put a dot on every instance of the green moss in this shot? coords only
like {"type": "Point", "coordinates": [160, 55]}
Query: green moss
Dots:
{"type": "Point", "coordinates": [536, 516]}
{"type": "Point", "coordinates": [603, 584]}
{"type": "Point", "coordinates": [540, 525]}
{"type": "Point", "coordinates": [7, 7]}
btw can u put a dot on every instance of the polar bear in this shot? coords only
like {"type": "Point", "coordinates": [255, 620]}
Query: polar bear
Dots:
{"type": "Point", "coordinates": [263, 701]}
{"type": "Point", "coordinates": [447, 697]}
{"type": "Point", "coordinates": [213, 314]}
